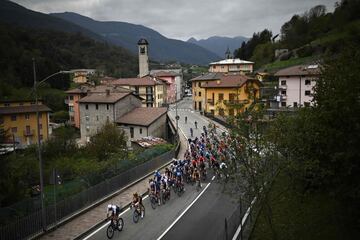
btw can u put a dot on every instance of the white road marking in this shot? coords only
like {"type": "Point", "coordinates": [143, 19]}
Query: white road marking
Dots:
{"type": "Point", "coordinates": [97, 230]}
{"type": "Point", "coordinates": [178, 218]}
{"type": "Point", "coordinates": [212, 179]}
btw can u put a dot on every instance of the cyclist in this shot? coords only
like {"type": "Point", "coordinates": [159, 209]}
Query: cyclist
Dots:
{"type": "Point", "coordinates": [196, 176]}
{"type": "Point", "coordinates": [137, 202]}
{"type": "Point", "coordinates": [113, 212]}
{"type": "Point", "coordinates": [157, 176]}
{"type": "Point", "coordinates": [157, 190]}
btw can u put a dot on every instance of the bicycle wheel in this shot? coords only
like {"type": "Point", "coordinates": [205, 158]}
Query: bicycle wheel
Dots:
{"type": "Point", "coordinates": [120, 224]}
{"type": "Point", "coordinates": [153, 202]}
{"type": "Point", "coordinates": [135, 216]}
{"type": "Point", "coordinates": [163, 197]}
{"type": "Point", "coordinates": [179, 190]}
{"type": "Point", "coordinates": [110, 231]}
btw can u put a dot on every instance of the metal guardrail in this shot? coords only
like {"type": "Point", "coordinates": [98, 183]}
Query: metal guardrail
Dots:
{"type": "Point", "coordinates": [31, 225]}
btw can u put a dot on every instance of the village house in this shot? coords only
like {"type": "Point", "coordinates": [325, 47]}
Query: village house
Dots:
{"type": "Point", "coordinates": [230, 95]}
{"type": "Point", "coordinates": [296, 85]}
{"type": "Point", "coordinates": [174, 78]}
{"type": "Point", "coordinates": [19, 119]}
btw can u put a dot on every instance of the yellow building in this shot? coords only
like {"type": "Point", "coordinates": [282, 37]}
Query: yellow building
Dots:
{"type": "Point", "coordinates": [199, 92]}
{"type": "Point", "coordinates": [19, 119]}
{"type": "Point", "coordinates": [82, 75]}
{"type": "Point", "coordinates": [230, 95]}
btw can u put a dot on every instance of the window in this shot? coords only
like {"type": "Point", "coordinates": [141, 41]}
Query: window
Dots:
{"type": "Point", "coordinates": [131, 132]}
{"type": "Point", "coordinates": [283, 92]}
{"type": "Point", "coordinates": [142, 50]}
{"type": "Point", "coordinates": [107, 118]}
{"type": "Point", "coordinates": [140, 130]}
{"type": "Point", "coordinates": [27, 116]}
{"type": "Point", "coordinates": [87, 107]}
{"type": "Point", "coordinates": [107, 106]}
{"type": "Point", "coordinates": [40, 126]}
{"type": "Point", "coordinates": [97, 118]}
{"type": "Point", "coordinates": [13, 117]}
{"type": "Point", "coordinates": [221, 96]}
{"type": "Point", "coordinates": [306, 104]}
{"type": "Point", "coordinates": [14, 130]}
{"type": "Point", "coordinates": [71, 108]}
{"type": "Point", "coordinates": [283, 82]}
{"type": "Point", "coordinates": [283, 104]}
{"type": "Point", "coordinates": [87, 118]}
{"type": "Point", "coordinates": [71, 98]}
{"type": "Point", "coordinates": [199, 94]}
{"type": "Point", "coordinates": [87, 128]}
{"type": "Point", "coordinates": [295, 104]}
{"type": "Point", "coordinates": [7, 104]}
{"type": "Point", "coordinates": [97, 106]}
{"type": "Point", "coordinates": [214, 67]}
{"type": "Point", "coordinates": [307, 93]}
{"type": "Point", "coordinates": [307, 82]}
{"type": "Point", "coordinates": [199, 84]}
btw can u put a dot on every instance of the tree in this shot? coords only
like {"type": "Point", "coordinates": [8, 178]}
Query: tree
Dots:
{"type": "Point", "coordinates": [110, 139]}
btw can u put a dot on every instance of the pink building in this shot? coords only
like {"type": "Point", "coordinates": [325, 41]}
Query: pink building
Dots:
{"type": "Point", "coordinates": [175, 80]}
{"type": "Point", "coordinates": [296, 85]}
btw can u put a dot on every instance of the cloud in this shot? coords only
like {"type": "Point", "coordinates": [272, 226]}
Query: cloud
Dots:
{"type": "Point", "coordinates": [183, 19]}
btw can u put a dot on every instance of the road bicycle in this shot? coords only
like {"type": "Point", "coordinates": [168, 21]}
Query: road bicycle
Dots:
{"type": "Point", "coordinates": [165, 195]}
{"type": "Point", "coordinates": [179, 188]}
{"type": "Point", "coordinates": [137, 212]}
{"type": "Point", "coordinates": [154, 200]}
{"type": "Point", "coordinates": [115, 225]}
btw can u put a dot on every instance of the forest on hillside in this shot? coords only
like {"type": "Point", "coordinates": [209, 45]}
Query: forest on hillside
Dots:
{"type": "Point", "coordinates": [307, 36]}
{"type": "Point", "coordinates": [54, 51]}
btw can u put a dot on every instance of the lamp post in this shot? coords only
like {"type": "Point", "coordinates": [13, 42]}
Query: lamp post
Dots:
{"type": "Point", "coordinates": [176, 113]}
{"type": "Point", "coordinates": [36, 84]}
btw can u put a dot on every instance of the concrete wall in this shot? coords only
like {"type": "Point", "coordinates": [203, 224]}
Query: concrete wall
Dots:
{"type": "Point", "coordinates": [125, 105]}
{"type": "Point", "coordinates": [91, 120]}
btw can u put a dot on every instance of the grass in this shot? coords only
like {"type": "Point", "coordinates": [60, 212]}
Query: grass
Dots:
{"type": "Point", "coordinates": [309, 216]}
{"type": "Point", "coordinates": [272, 67]}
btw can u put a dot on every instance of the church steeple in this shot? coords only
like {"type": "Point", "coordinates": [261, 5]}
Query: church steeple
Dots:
{"type": "Point", "coordinates": [143, 57]}
{"type": "Point", "coordinates": [228, 53]}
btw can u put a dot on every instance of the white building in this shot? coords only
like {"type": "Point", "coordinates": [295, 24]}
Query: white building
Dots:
{"type": "Point", "coordinates": [232, 65]}
{"type": "Point", "coordinates": [296, 85]}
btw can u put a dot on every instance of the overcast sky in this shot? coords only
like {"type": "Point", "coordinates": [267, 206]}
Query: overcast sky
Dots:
{"type": "Point", "coordinates": [182, 19]}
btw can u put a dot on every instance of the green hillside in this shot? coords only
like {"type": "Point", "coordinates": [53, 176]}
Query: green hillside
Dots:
{"type": "Point", "coordinates": [309, 37]}
{"type": "Point", "coordinates": [54, 51]}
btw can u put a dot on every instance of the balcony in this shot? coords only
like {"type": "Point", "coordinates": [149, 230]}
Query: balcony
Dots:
{"type": "Point", "coordinates": [233, 102]}
{"type": "Point", "coordinates": [283, 97]}
{"type": "Point", "coordinates": [29, 133]}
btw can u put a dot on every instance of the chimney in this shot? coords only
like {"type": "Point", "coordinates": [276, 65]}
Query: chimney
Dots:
{"type": "Point", "coordinates": [107, 92]}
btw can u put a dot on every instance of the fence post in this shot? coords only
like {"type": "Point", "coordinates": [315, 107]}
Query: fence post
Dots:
{"type": "Point", "coordinates": [241, 217]}
{"type": "Point", "coordinates": [226, 229]}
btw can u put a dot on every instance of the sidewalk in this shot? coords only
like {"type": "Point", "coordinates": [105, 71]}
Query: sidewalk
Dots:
{"type": "Point", "coordinates": [87, 220]}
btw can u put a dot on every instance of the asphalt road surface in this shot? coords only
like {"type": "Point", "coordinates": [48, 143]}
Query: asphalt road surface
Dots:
{"type": "Point", "coordinates": [194, 215]}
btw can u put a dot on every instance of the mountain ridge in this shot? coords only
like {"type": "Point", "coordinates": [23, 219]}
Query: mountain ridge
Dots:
{"type": "Point", "coordinates": [219, 44]}
{"type": "Point", "coordinates": [127, 34]}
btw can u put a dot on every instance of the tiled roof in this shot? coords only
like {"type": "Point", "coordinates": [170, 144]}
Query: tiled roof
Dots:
{"type": "Point", "coordinates": [208, 76]}
{"type": "Point", "coordinates": [144, 81]}
{"type": "Point", "coordinates": [299, 70]}
{"type": "Point", "coordinates": [142, 116]}
{"type": "Point", "coordinates": [231, 61]}
{"type": "Point", "coordinates": [229, 81]}
{"type": "Point", "coordinates": [97, 89]}
{"type": "Point", "coordinates": [164, 73]}
{"type": "Point", "coordinates": [24, 109]}
{"type": "Point", "coordinates": [103, 97]}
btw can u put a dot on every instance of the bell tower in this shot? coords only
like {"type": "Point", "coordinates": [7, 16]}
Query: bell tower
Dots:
{"type": "Point", "coordinates": [228, 54]}
{"type": "Point", "coordinates": [143, 46]}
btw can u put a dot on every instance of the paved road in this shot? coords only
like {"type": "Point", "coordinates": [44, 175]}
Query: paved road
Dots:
{"type": "Point", "coordinates": [155, 221]}
{"type": "Point", "coordinates": [194, 215]}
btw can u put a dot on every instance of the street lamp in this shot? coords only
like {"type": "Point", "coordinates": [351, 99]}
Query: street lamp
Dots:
{"type": "Point", "coordinates": [36, 84]}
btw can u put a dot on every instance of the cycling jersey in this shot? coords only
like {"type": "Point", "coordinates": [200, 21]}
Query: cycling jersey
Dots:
{"type": "Point", "coordinates": [114, 209]}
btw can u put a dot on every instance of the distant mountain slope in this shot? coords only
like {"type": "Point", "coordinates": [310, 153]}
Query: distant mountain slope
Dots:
{"type": "Point", "coordinates": [15, 14]}
{"type": "Point", "coordinates": [127, 34]}
{"type": "Point", "coordinates": [218, 45]}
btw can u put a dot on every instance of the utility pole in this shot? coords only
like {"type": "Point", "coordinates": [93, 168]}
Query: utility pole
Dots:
{"type": "Point", "coordinates": [176, 113]}
{"type": "Point", "coordinates": [42, 196]}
